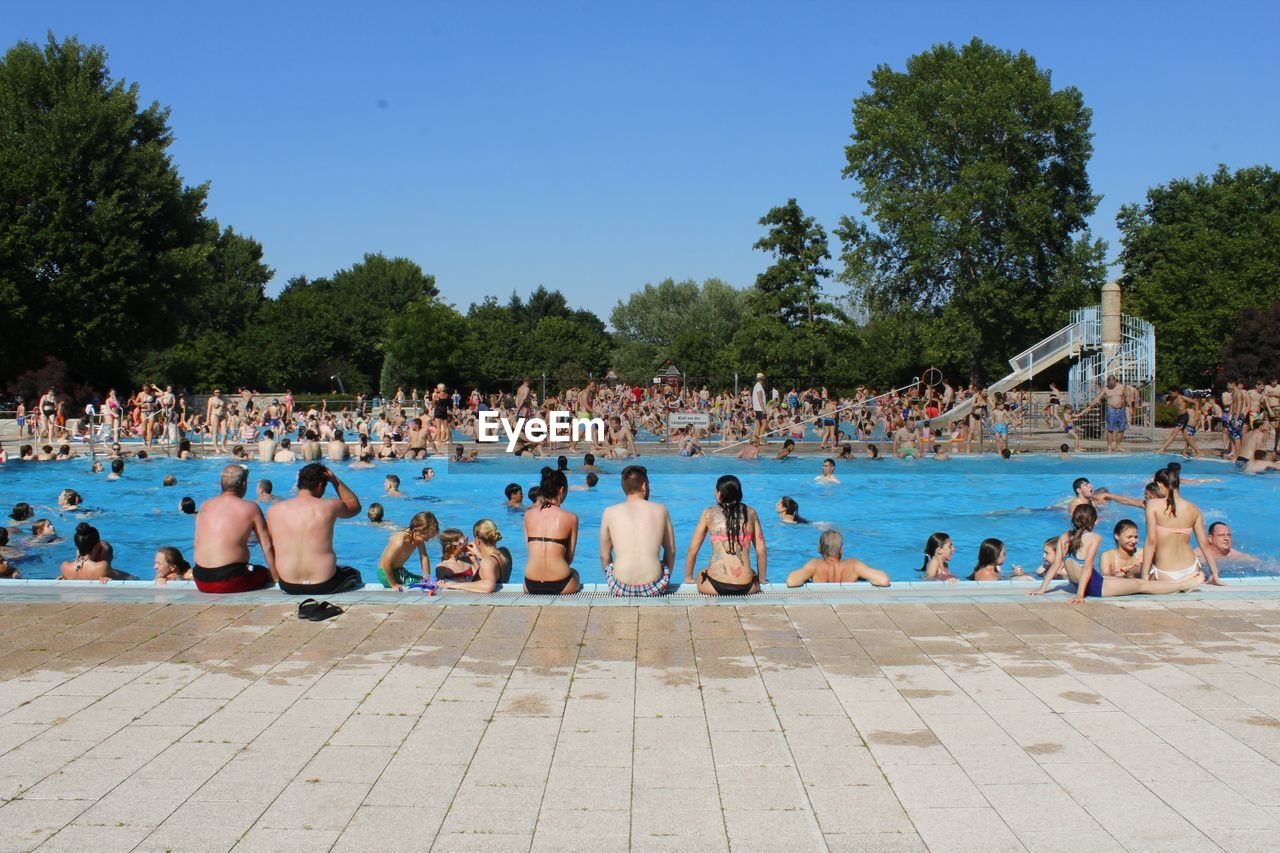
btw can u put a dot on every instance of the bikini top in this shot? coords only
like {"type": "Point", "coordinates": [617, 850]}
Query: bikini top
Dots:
{"type": "Point", "coordinates": [562, 542]}
{"type": "Point", "coordinates": [1172, 530]}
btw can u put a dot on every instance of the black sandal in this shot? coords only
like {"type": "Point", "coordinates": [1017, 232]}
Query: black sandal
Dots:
{"type": "Point", "coordinates": [324, 610]}
{"type": "Point", "coordinates": [307, 608]}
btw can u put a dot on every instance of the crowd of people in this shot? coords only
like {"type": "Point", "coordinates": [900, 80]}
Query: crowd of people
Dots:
{"type": "Point", "coordinates": [924, 418]}
{"type": "Point", "coordinates": [637, 542]}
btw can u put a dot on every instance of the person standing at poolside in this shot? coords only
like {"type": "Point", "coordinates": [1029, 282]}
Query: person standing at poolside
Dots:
{"type": "Point", "coordinates": [758, 406]}
{"type": "Point", "coordinates": [223, 527]}
{"type": "Point", "coordinates": [302, 528]}
{"type": "Point", "coordinates": [1116, 421]}
{"type": "Point", "coordinates": [213, 415]}
{"type": "Point", "coordinates": [48, 407]}
{"type": "Point", "coordinates": [638, 530]}
{"type": "Point", "coordinates": [1183, 426]}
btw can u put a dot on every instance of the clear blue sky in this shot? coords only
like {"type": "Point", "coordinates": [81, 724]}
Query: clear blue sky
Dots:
{"type": "Point", "coordinates": [594, 147]}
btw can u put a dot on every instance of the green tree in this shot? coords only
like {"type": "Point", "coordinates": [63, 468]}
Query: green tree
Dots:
{"type": "Point", "coordinates": [690, 325]}
{"type": "Point", "coordinates": [421, 341]}
{"type": "Point", "coordinates": [1253, 350]}
{"type": "Point", "coordinates": [787, 324]}
{"type": "Point", "coordinates": [972, 171]}
{"type": "Point", "coordinates": [1196, 254]}
{"type": "Point", "coordinates": [99, 238]}
{"type": "Point", "coordinates": [367, 297]}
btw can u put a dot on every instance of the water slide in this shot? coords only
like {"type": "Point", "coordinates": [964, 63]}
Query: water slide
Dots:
{"type": "Point", "coordinates": [1066, 342]}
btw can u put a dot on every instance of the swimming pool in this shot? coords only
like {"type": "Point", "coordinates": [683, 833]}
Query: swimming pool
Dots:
{"type": "Point", "coordinates": [886, 509]}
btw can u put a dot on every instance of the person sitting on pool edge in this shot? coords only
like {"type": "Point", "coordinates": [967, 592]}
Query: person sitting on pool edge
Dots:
{"type": "Point", "coordinates": [493, 564]}
{"type": "Point", "coordinates": [423, 527]}
{"type": "Point", "coordinates": [223, 527]}
{"type": "Point", "coordinates": [302, 530]}
{"type": "Point", "coordinates": [637, 542]}
{"type": "Point", "coordinates": [733, 528]}
{"type": "Point", "coordinates": [831, 567]}
{"type": "Point", "coordinates": [551, 534]}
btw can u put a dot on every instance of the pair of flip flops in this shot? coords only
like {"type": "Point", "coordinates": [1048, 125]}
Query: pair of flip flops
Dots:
{"type": "Point", "coordinates": [317, 611]}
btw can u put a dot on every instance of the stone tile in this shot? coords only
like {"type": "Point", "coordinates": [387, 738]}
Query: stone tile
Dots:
{"type": "Point", "coordinates": [768, 830]}
{"type": "Point", "coordinates": [978, 829]}
{"type": "Point", "coordinates": [77, 838]}
{"type": "Point", "coordinates": [24, 824]}
{"type": "Point", "coordinates": [359, 764]}
{"type": "Point", "coordinates": [919, 786]}
{"type": "Point", "coordinates": [314, 805]}
{"type": "Point", "coordinates": [677, 829]}
{"type": "Point", "coordinates": [859, 810]}
{"type": "Point", "coordinates": [385, 828]}
{"type": "Point", "coordinates": [265, 839]}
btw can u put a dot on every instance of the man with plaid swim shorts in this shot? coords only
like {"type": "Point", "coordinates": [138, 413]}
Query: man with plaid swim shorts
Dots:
{"type": "Point", "coordinates": [637, 543]}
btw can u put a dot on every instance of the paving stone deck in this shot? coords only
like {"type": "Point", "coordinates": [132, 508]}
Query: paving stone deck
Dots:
{"type": "Point", "coordinates": [952, 725]}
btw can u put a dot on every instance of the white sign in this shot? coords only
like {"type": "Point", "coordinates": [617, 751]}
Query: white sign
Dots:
{"type": "Point", "coordinates": [677, 420]}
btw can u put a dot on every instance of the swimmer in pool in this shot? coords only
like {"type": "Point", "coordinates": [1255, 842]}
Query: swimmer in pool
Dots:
{"type": "Point", "coordinates": [832, 567]}
{"type": "Point", "coordinates": [828, 474]}
{"type": "Point", "coordinates": [788, 511]}
{"type": "Point", "coordinates": [1086, 494]}
{"type": "Point", "coordinates": [938, 551]}
{"type": "Point", "coordinates": [423, 527]}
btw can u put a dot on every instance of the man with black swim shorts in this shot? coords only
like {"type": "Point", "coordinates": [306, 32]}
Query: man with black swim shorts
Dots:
{"type": "Point", "coordinates": [302, 528]}
{"type": "Point", "coordinates": [757, 405]}
{"type": "Point", "coordinates": [223, 527]}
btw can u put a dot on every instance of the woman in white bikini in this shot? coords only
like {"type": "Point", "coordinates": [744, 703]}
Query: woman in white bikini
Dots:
{"type": "Point", "coordinates": [1171, 522]}
{"type": "Point", "coordinates": [1077, 552]}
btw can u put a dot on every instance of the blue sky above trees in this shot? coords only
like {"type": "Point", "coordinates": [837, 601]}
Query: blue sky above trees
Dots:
{"type": "Point", "coordinates": [596, 147]}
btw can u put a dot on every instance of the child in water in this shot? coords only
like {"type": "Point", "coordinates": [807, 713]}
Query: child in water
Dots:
{"type": "Point", "coordinates": [938, 551]}
{"type": "Point", "coordinates": [455, 559]}
{"type": "Point", "coordinates": [170, 566]}
{"type": "Point", "coordinates": [991, 557]}
{"type": "Point", "coordinates": [1050, 556]}
{"type": "Point", "coordinates": [422, 528]}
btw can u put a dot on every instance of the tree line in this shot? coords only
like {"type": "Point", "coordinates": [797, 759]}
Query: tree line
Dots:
{"type": "Point", "coordinates": [970, 244]}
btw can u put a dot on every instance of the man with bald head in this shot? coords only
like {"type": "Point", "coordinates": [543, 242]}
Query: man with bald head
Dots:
{"type": "Point", "coordinates": [223, 526]}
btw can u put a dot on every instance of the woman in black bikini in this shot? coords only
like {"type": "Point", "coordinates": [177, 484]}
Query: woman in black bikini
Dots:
{"type": "Point", "coordinates": [551, 534]}
{"type": "Point", "coordinates": [733, 528]}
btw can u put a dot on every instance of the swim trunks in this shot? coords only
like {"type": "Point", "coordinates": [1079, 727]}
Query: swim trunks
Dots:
{"type": "Point", "coordinates": [234, 577]}
{"type": "Point", "coordinates": [344, 579]}
{"type": "Point", "coordinates": [407, 576]}
{"type": "Point", "coordinates": [1116, 420]}
{"type": "Point", "coordinates": [1000, 429]}
{"type": "Point", "coordinates": [648, 590]}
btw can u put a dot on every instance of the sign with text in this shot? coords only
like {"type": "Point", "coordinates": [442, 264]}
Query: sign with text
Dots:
{"type": "Point", "coordinates": [680, 420]}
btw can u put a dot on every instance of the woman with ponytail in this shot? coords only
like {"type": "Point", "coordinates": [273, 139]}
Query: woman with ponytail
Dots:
{"type": "Point", "coordinates": [551, 533]}
{"type": "Point", "coordinates": [1078, 549]}
{"type": "Point", "coordinates": [1171, 522]}
{"type": "Point", "coordinates": [733, 528]}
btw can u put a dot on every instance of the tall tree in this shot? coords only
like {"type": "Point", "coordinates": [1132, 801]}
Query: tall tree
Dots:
{"type": "Point", "coordinates": [972, 171]}
{"type": "Point", "coordinates": [1253, 350]}
{"type": "Point", "coordinates": [99, 238]}
{"type": "Point", "coordinates": [1196, 254]}
{"type": "Point", "coordinates": [683, 322]}
{"type": "Point", "coordinates": [788, 322]}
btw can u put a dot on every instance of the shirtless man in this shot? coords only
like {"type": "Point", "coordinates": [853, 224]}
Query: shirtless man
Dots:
{"type": "Point", "coordinates": [831, 567]}
{"type": "Point", "coordinates": [303, 527]}
{"type": "Point", "coordinates": [267, 446]}
{"type": "Point", "coordinates": [337, 449]}
{"type": "Point", "coordinates": [1183, 407]}
{"type": "Point", "coordinates": [904, 441]}
{"type": "Point", "coordinates": [213, 415]}
{"type": "Point", "coordinates": [1116, 422]}
{"type": "Point", "coordinates": [223, 526]}
{"type": "Point", "coordinates": [522, 394]}
{"type": "Point", "coordinates": [1254, 438]}
{"type": "Point", "coordinates": [636, 530]}
{"type": "Point", "coordinates": [1084, 494]}
{"type": "Point", "coordinates": [285, 453]}
{"type": "Point", "coordinates": [1219, 545]}
{"type": "Point", "coordinates": [828, 474]}
{"type": "Point", "coordinates": [621, 442]}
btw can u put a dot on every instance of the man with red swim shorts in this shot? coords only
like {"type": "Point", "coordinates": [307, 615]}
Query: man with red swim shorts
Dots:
{"type": "Point", "coordinates": [223, 525]}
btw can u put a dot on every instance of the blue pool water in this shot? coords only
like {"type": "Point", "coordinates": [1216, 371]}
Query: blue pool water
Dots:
{"type": "Point", "coordinates": [885, 509]}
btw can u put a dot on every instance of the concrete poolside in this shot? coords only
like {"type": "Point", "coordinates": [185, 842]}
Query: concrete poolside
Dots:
{"type": "Point", "coordinates": [1008, 723]}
